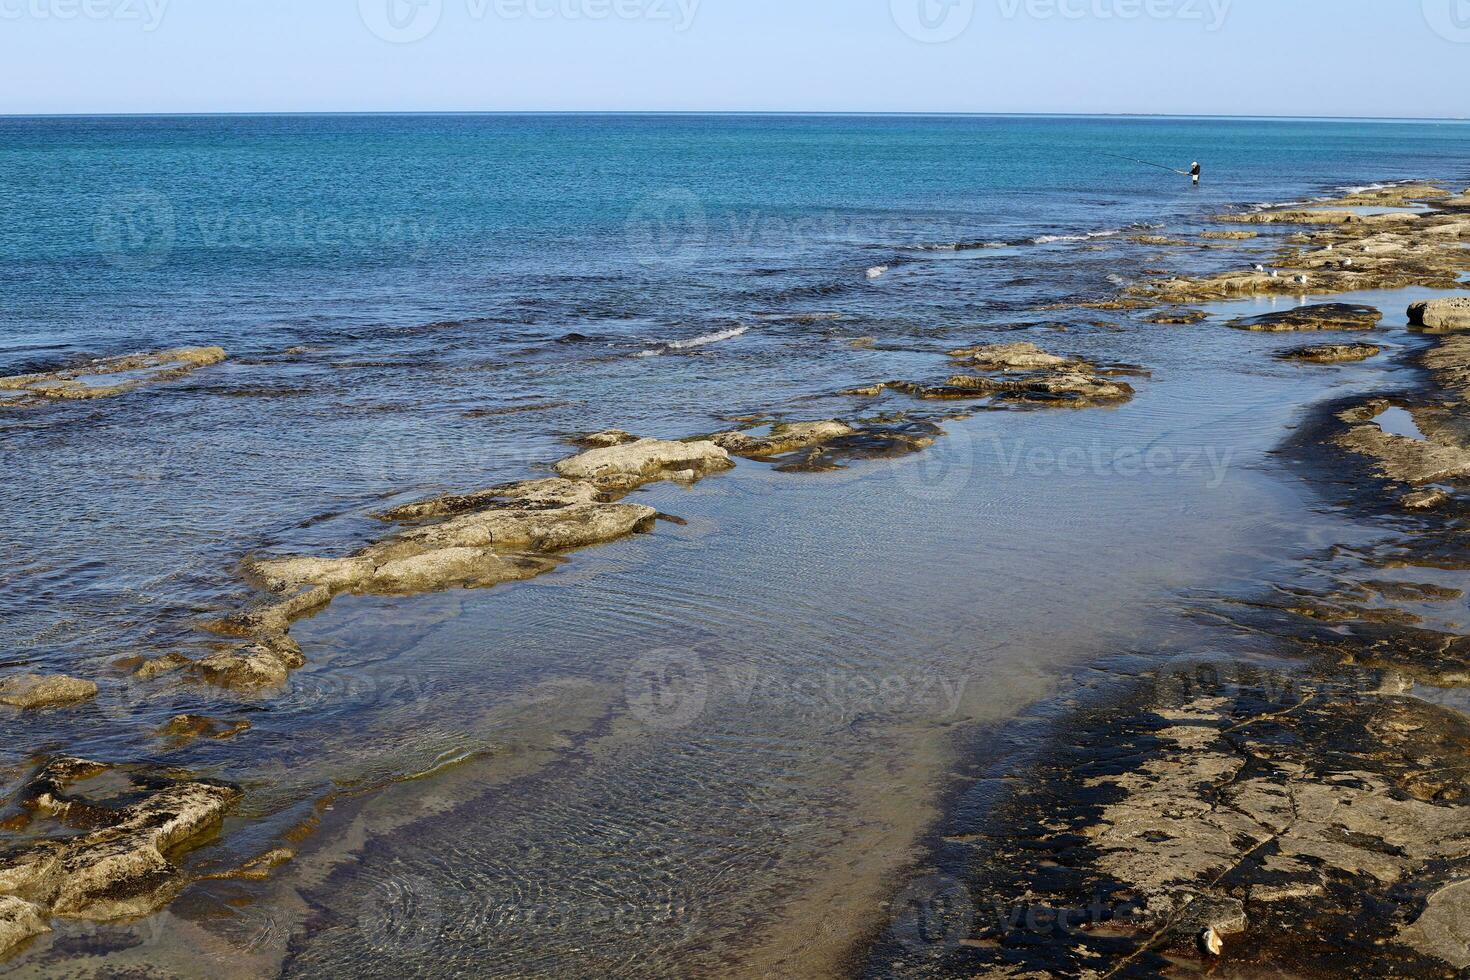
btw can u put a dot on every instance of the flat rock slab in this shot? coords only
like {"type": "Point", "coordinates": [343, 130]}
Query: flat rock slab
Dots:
{"type": "Point", "coordinates": [1441, 314]}
{"type": "Point", "coordinates": [1320, 316]}
{"type": "Point", "coordinates": [110, 376]}
{"type": "Point", "coordinates": [1332, 353]}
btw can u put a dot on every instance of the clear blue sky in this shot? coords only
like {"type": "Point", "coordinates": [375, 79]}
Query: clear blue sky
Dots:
{"type": "Point", "coordinates": [1250, 57]}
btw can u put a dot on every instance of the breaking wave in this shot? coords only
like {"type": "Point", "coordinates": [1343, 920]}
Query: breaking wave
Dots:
{"type": "Point", "coordinates": [704, 340]}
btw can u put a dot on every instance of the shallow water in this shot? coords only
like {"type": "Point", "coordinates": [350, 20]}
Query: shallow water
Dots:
{"type": "Point", "coordinates": [653, 760]}
{"type": "Point", "coordinates": [1398, 422]}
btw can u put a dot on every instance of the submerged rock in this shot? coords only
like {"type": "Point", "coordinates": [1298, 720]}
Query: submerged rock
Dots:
{"type": "Point", "coordinates": [508, 533]}
{"type": "Point", "coordinates": [158, 666]}
{"type": "Point", "coordinates": [1178, 317]}
{"type": "Point", "coordinates": [883, 438]}
{"type": "Point", "coordinates": [1068, 389]}
{"type": "Point", "coordinates": [1011, 357]}
{"type": "Point", "coordinates": [1421, 500]}
{"type": "Point", "coordinates": [602, 440]}
{"type": "Point", "coordinates": [1332, 353]}
{"type": "Point", "coordinates": [151, 368]}
{"type": "Point", "coordinates": [115, 860]}
{"type": "Point", "coordinates": [260, 666]}
{"type": "Point", "coordinates": [1291, 217]}
{"type": "Point", "coordinates": [1321, 316]}
{"type": "Point", "coordinates": [1230, 236]}
{"type": "Point", "coordinates": [785, 437]}
{"type": "Point", "coordinates": [33, 691]}
{"type": "Point", "coordinates": [186, 728]}
{"type": "Point", "coordinates": [1441, 314]}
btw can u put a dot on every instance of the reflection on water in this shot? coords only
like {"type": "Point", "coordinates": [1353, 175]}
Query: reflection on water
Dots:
{"type": "Point", "coordinates": [1397, 421]}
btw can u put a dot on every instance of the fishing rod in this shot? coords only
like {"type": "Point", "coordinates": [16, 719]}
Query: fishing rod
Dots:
{"type": "Point", "coordinates": [1160, 166]}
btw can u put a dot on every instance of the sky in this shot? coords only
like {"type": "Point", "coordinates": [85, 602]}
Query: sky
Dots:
{"type": "Point", "coordinates": [1398, 58]}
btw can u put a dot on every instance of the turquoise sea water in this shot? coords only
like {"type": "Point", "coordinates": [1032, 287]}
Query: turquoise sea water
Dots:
{"type": "Point", "coordinates": [261, 232]}
{"type": "Point", "coordinates": [429, 303]}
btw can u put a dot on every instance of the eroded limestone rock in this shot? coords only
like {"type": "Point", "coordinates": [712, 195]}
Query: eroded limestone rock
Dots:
{"type": "Point", "coordinates": [115, 858]}
{"type": "Point", "coordinates": [19, 921]}
{"type": "Point", "coordinates": [145, 369]}
{"type": "Point", "coordinates": [1068, 389]}
{"type": "Point", "coordinates": [1012, 357]}
{"type": "Point", "coordinates": [785, 437]}
{"type": "Point", "coordinates": [1320, 316]}
{"type": "Point", "coordinates": [1441, 314]}
{"type": "Point", "coordinates": [1333, 353]}
{"type": "Point", "coordinates": [632, 464]}
{"type": "Point", "coordinates": [1178, 317]}
{"type": "Point", "coordinates": [35, 691]}
{"type": "Point", "coordinates": [602, 440]}
{"type": "Point", "coordinates": [1397, 457]}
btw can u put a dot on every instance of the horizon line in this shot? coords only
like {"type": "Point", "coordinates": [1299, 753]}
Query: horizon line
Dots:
{"type": "Point", "coordinates": [244, 113]}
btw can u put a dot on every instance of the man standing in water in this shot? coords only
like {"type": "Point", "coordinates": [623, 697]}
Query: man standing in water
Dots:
{"type": "Point", "coordinates": [1195, 171]}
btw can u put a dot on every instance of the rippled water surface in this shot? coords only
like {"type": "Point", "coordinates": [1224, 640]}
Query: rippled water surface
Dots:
{"type": "Point", "coordinates": [699, 751]}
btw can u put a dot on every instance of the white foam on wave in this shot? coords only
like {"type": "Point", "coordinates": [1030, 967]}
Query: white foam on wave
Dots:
{"type": "Point", "coordinates": [703, 340]}
{"type": "Point", "coordinates": [877, 271]}
{"type": "Point", "coordinates": [956, 246]}
{"type": "Point", "coordinates": [1090, 236]}
{"type": "Point", "coordinates": [1365, 188]}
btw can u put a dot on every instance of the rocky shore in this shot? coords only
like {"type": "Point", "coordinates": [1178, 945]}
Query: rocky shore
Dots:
{"type": "Point", "coordinates": [478, 539]}
{"type": "Point", "coordinates": [1297, 802]}
{"type": "Point", "coordinates": [107, 377]}
{"type": "Point", "coordinates": [1214, 816]}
